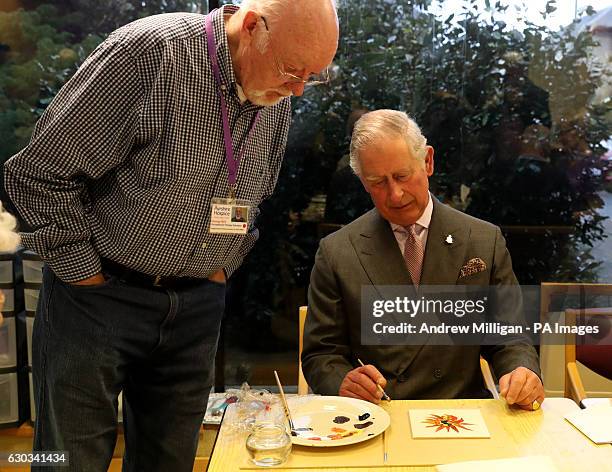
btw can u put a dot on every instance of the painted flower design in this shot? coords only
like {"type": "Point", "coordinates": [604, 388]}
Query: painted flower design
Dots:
{"type": "Point", "coordinates": [447, 422]}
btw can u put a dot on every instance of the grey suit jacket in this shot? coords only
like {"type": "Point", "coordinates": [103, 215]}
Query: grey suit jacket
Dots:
{"type": "Point", "coordinates": [366, 252]}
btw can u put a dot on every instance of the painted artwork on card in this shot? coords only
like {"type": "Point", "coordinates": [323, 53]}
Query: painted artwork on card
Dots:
{"type": "Point", "coordinates": [447, 423]}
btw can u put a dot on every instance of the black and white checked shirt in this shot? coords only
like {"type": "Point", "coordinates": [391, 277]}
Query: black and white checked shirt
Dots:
{"type": "Point", "coordinates": [124, 162]}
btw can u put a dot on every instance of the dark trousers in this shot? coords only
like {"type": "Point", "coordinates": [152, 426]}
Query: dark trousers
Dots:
{"type": "Point", "coordinates": [156, 344]}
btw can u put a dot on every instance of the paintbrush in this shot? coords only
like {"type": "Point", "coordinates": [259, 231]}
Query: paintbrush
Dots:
{"type": "Point", "coordinates": [285, 405]}
{"type": "Point", "coordinates": [384, 394]}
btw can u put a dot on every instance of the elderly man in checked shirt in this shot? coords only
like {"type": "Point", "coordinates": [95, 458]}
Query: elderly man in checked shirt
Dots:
{"type": "Point", "coordinates": [115, 192]}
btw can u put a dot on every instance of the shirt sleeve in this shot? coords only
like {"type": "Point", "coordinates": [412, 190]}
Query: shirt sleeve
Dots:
{"type": "Point", "coordinates": [87, 130]}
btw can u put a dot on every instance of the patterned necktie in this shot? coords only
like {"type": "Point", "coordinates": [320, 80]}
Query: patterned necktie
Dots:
{"type": "Point", "coordinates": [413, 254]}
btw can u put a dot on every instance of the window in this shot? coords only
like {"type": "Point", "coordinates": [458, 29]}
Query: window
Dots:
{"type": "Point", "coordinates": [514, 97]}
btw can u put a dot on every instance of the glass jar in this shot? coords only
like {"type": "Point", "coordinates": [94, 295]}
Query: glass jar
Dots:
{"type": "Point", "coordinates": [269, 444]}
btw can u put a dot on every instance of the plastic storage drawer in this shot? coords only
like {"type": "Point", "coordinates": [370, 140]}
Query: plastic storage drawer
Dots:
{"type": "Point", "coordinates": [30, 295]}
{"type": "Point", "coordinates": [8, 343]}
{"type": "Point", "coordinates": [6, 268]}
{"type": "Point", "coordinates": [9, 398]}
{"type": "Point", "coordinates": [32, 267]}
{"type": "Point", "coordinates": [9, 297]}
{"type": "Point", "coordinates": [29, 328]}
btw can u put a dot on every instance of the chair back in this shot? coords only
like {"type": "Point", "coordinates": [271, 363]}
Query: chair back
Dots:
{"type": "Point", "coordinates": [593, 356]}
{"type": "Point", "coordinates": [302, 384]}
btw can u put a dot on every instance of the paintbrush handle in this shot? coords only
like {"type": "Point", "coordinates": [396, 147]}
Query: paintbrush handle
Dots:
{"type": "Point", "coordinates": [284, 401]}
{"type": "Point", "coordinates": [382, 390]}
{"type": "Point", "coordinates": [385, 396]}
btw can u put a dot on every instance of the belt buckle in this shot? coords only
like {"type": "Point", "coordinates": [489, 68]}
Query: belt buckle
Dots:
{"type": "Point", "coordinates": [156, 282]}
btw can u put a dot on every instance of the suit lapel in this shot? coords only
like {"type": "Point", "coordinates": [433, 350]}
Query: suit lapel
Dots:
{"type": "Point", "coordinates": [382, 260]}
{"type": "Point", "coordinates": [443, 261]}
{"type": "Point", "coordinates": [378, 252]}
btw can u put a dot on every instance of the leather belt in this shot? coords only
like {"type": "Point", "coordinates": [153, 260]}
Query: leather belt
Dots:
{"type": "Point", "coordinates": [140, 279]}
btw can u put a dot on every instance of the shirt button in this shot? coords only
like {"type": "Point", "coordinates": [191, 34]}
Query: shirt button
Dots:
{"type": "Point", "coordinates": [437, 373]}
{"type": "Point", "coordinates": [223, 87]}
{"type": "Point", "coordinates": [204, 245]}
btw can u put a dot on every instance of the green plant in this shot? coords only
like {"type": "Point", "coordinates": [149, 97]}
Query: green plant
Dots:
{"type": "Point", "coordinates": [36, 60]}
{"type": "Point", "coordinates": [510, 115]}
{"type": "Point", "coordinates": [41, 48]}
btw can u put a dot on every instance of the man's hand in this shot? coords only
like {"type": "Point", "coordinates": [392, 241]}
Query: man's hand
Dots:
{"type": "Point", "coordinates": [521, 387]}
{"type": "Point", "coordinates": [218, 277]}
{"type": "Point", "coordinates": [361, 383]}
{"type": "Point", "coordinates": [97, 279]}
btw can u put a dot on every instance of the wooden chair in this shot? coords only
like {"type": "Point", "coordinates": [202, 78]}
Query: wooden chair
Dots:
{"type": "Point", "coordinates": [303, 385]}
{"type": "Point", "coordinates": [597, 358]}
{"type": "Point", "coordinates": [594, 357]}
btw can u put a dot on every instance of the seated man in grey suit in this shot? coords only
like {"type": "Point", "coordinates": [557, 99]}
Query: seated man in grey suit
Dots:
{"type": "Point", "coordinates": [405, 240]}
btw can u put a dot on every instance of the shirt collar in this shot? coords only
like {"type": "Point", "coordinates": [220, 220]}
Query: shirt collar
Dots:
{"type": "Point", "coordinates": [223, 52]}
{"type": "Point", "coordinates": [241, 94]}
{"type": "Point", "coordinates": [423, 221]}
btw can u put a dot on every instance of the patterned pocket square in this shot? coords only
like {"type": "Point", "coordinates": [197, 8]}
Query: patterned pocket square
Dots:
{"type": "Point", "coordinates": [473, 266]}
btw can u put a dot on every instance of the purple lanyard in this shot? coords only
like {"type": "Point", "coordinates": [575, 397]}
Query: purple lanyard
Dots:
{"type": "Point", "coordinates": [232, 162]}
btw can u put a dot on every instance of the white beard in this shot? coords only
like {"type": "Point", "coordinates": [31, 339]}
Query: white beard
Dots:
{"type": "Point", "coordinates": [261, 97]}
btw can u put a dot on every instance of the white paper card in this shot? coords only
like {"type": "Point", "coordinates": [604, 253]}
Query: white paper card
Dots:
{"type": "Point", "coordinates": [539, 463]}
{"type": "Point", "coordinates": [448, 423]}
{"type": "Point", "coordinates": [229, 216]}
{"type": "Point", "coordinates": [594, 422]}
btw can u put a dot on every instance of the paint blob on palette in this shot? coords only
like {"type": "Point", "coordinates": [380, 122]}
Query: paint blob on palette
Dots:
{"type": "Point", "coordinates": [451, 423]}
{"type": "Point", "coordinates": [354, 427]}
{"type": "Point", "coordinates": [341, 419]}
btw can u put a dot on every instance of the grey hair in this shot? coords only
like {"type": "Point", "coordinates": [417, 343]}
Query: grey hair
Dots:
{"type": "Point", "coordinates": [271, 10]}
{"type": "Point", "coordinates": [9, 239]}
{"type": "Point", "coordinates": [381, 124]}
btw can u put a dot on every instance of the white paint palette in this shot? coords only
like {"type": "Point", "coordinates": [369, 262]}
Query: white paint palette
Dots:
{"type": "Point", "coordinates": [335, 421]}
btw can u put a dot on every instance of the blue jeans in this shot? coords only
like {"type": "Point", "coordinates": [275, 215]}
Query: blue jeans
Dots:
{"type": "Point", "coordinates": [157, 345]}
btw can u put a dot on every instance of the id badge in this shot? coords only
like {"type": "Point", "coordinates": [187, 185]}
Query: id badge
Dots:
{"type": "Point", "coordinates": [229, 216]}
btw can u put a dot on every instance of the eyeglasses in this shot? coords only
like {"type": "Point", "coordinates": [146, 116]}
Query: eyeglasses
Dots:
{"type": "Point", "coordinates": [313, 79]}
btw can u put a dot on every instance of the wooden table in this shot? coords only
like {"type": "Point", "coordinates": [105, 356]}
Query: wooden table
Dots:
{"type": "Point", "coordinates": [524, 433]}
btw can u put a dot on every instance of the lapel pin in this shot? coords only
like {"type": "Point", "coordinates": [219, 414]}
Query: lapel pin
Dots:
{"type": "Point", "coordinates": [449, 239]}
